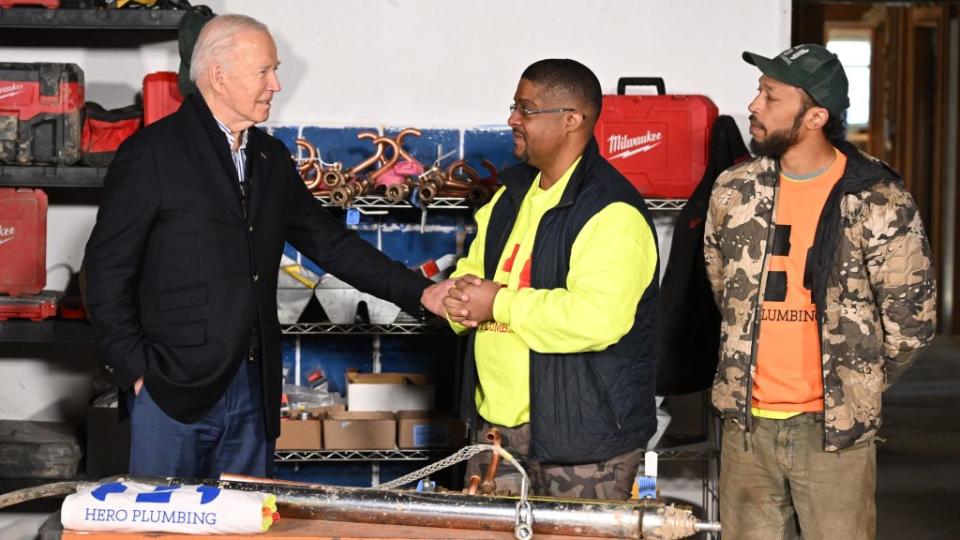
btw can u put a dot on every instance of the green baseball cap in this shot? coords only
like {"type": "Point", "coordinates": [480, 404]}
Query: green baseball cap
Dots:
{"type": "Point", "coordinates": [811, 67]}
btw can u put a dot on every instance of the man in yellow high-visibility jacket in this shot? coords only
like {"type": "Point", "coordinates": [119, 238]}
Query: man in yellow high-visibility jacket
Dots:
{"type": "Point", "coordinates": [557, 293]}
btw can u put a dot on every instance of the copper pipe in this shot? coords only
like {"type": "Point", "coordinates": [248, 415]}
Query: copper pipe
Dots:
{"type": "Point", "coordinates": [468, 171]}
{"type": "Point", "coordinates": [384, 167]}
{"type": "Point", "coordinates": [611, 519]}
{"type": "Point", "coordinates": [489, 483]}
{"type": "Point", "coordinates": [399, 139]}
{"type": "Point", "coordinates": [315, 180]}
{"type": "Point", "coordinates": [473, 484]}
{"type": "Point", "coordinates": [367, 163]}
{"type": "Point", "coordinates": [311, 155]}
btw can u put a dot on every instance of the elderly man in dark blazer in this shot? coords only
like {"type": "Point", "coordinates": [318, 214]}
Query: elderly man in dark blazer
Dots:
{"type": "Point", "coordinates": [182, 265]}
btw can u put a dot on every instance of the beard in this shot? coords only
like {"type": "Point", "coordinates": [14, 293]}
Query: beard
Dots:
{"type": "Point", "coordinates": [778, 142]}
{"type": "Point", "coordinates": [520, 151]}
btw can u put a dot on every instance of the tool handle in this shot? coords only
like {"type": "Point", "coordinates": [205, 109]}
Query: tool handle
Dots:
{"type": "Point", "coordinates": [624, 82]}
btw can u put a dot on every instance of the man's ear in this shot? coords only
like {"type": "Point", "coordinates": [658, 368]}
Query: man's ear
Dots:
{"type": "Point", "coordinates": [817, 118]}
{"type": "Point", "coordinates": [215, 73]}
{"type": "Point", "coordinates": [572, 121]}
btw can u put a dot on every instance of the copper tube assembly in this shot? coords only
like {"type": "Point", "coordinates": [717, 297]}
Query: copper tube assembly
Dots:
{"type": "Point", "coordinates": [388, 164]}
{"type": "Point", "coordinates": [488, 486]}
{"type": "Point", "coordinates": [345, 194]}
{"type": "Point", "coordinates": [332, 178]}
{"type": "Point", "coordinates": [473, 484]}
{"type": "Point", "coordinates": [430, 183]}
{"type": "Point", "coordinates": [645, 519]}
{"type": "Point", "coordinates": [399, 140]}
{"type": "Point", "coordinates": [311, 155]}
{"type": "Point", "coordinates": [397, 192]}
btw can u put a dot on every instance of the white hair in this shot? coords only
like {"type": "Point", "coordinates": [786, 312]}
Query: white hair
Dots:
{"type": "Point", "coordinates": [215, 41]}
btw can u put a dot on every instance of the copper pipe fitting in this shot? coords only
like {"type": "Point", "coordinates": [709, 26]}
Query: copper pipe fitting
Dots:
{"type": "Point", "coordinates": [399, 140]}
{"type": "Point", "coordinates": [333, 177]}
{"type": "Point", "coordinates": [346, 193]}
{"type": "Point", "coordinates": [367, 163]}
{"type": "Point", "coordinates": [311, 155]}
{"type": "Point", "coordinates": [312, 181]}
{"type": "Point", "coordinates": [398, 192]}
{"type": "Point", "coordinates": [479, 195]}
{"type": "Point", "coordinates": [384, 167]}
{"type": "Point", "coordinates": [488, 485]}
{"type": "Point", "coordinates": [473, 484]}
{"type": "Point", "coordinates": [468, 171]}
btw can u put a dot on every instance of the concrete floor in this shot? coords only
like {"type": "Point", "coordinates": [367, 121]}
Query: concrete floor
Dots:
{"type": "Point", "coordinates": [918, 491]}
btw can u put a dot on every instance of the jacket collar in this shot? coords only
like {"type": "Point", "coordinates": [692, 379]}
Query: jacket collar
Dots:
{"type": "Point", "coordinates": [518, 179]}
{"type": "Point", "coordinates": [861, 172]}
{"type": "Point", "coordinates": [206, 136]}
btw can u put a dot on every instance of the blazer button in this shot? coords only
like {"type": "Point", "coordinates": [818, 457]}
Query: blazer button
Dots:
{"type": "Point", "coordinates": [250, 228]}
{"type": "Point", "coordinates": [108, 368]}
{"type": "Point", "coordinates": [256, 277]}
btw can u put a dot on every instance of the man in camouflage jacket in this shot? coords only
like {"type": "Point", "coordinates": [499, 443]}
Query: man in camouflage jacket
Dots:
{"type": "Point", "coordinates": [871, 281]}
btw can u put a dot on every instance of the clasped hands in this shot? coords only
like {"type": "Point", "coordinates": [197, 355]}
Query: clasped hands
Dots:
{"type": "Point", "coordinates": [470, 301]}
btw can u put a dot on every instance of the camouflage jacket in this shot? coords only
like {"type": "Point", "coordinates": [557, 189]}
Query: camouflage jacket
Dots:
{"type": "Point", "coordinates": [870, 274]}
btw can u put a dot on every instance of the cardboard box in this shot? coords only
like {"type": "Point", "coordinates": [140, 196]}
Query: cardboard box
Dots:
{"type": "Point", "coordinates": [299, 435]}
{"type": "Point", "coordinates": [419, 429]}
{"type": "Point", "coordinates": [389, 391]}
{"type": "Point", "coordinates": [359, 431]}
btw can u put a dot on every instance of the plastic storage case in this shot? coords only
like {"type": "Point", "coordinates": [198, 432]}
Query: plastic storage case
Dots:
{"type": "Point", "coordinates": [40, 113]}
{"type": "Point", "coordinates": [660, 143]}
{"type": "Point", "coordinates": [160, 96]}
{"type": "Point", "coordinates": [23, 241]}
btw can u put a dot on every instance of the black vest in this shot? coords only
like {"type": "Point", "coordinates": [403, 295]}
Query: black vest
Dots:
{"type": "Point", "coordinates": [584, 407]}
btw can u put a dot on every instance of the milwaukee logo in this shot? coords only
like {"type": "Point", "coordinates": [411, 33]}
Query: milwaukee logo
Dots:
{"type": "Point", "coordinates": [10, 90]}
{"type": "Point", "coordinates": [7, 234]}
{"type": "Point", "coordinates": [622, 146]}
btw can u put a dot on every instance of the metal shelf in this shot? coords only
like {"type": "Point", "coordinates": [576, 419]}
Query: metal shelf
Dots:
{"type": "Point", "coordinates": [48, 331]}
{"type": "Point", "coordinates": [688, 452]}
{"type": "Point", "coordinates": [329, 328]}
{"type": "Point", "coordinates": [93, 19]}
{"type": "Point", "coordinates": [51, 176]}
{"type": "Point", "coordinates": [382, 203]}
{"type": "Point", "coordinates": [307, 456]}
{"type": "Point", "coordinates": [665, 205]}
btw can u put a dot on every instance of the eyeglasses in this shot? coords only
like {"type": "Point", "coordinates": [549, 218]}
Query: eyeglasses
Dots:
{"type": "Point", "coordinates": [527, 112]}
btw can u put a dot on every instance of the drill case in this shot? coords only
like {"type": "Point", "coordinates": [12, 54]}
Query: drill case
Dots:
{"type": "Point", "coordinates": [660, 142]}
{"type": "Point", "coordinates": [40, 113]}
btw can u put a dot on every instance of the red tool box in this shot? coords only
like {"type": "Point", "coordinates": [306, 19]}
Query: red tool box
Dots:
{"type": "Point", "coordinates": [660, 143]}
{"type": "Point", "coordinates": [23, 241]}
{"type": "Point", "coordinates": [160, 96]}
{"type": "Point", "coordinates": [40, 110]}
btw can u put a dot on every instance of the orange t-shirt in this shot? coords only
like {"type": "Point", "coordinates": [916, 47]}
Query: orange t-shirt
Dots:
{"type": "Point", "coordinates": [789, 369]}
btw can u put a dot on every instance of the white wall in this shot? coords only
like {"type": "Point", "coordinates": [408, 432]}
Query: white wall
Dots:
{"type": "Point", "coordinates": [427, 63]}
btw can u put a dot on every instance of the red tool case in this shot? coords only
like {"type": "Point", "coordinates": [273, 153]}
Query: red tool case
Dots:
{"type": "Point", "coordinates": [40, 110]}
{"type": "Point", "coordinates": [35, 307]}
{"type": "Point", "coordinates": [160, 96]}
{"type": "Point", "coordinates": [660, 143]}
{"type": "Point", "coordinates": [23, 241]}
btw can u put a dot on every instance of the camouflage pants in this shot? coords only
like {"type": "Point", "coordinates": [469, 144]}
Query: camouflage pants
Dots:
{"type": "Point", "coordinates": [611, 479]}
{"type": "Point", "coordinates": [778, 476]}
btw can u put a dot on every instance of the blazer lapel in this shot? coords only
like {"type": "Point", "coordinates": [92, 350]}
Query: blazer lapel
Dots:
{"type": "Point", "coordinates": [209, 148]}
{"type": "Point", "coordinates": [258, 160]}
